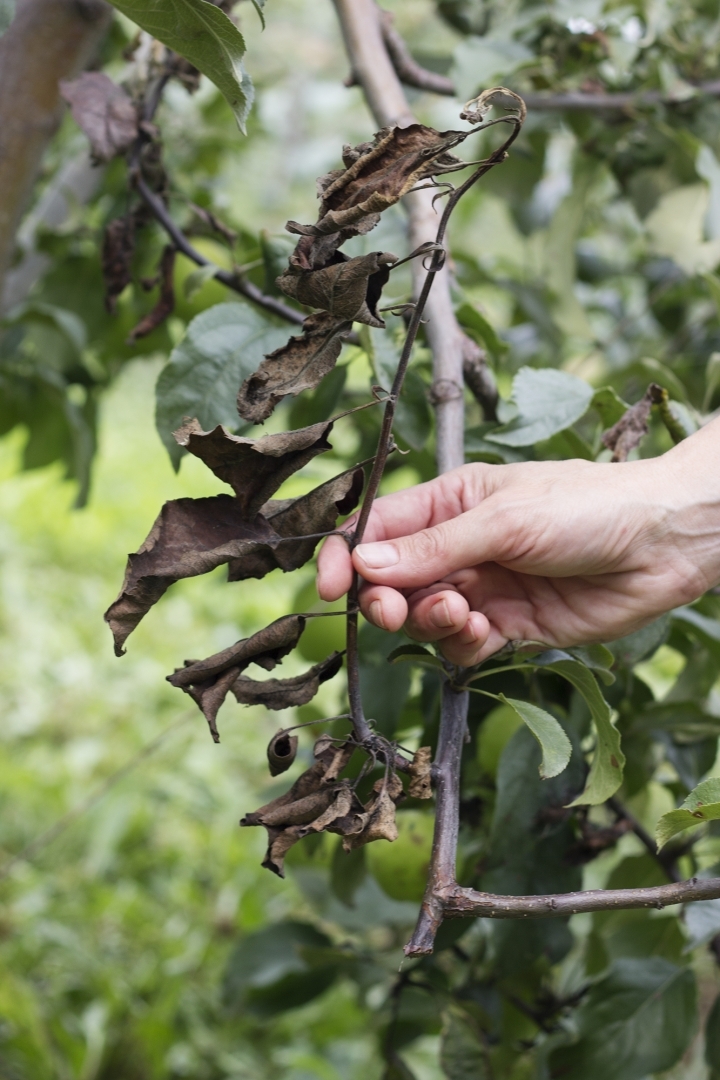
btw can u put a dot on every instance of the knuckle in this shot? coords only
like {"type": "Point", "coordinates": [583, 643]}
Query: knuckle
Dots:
{"type": "Point", "coordinates": [429, 546]}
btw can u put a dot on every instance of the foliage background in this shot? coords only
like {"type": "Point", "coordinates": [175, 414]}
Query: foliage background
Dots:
{"type": "Point", "coordinates": [592, 250]}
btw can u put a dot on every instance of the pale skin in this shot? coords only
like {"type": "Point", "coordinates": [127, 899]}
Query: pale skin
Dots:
{"type": "Point", "coordinates": [562, 552]}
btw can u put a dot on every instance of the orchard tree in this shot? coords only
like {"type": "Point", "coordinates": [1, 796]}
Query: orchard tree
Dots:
{"type": "Point", "coordinates": [552, 296]}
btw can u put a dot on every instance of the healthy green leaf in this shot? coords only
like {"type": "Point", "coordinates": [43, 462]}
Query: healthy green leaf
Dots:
{"type": "Point", "coordinates": [473, 320]}
{"type": "Point", "coordinates": [548, 401]}
{"type": "Point", "coordinates": [222, 346]}
{"type": "Point", "coordinates": [702, 922]}
{"type": "Point", "coordinates": [606, 771]}
{"type": "Point", "coordinates": [196, 279]}
{"type": "Point", "coordinates": [702, 804]}
{"type": "Point", "coordinates": [205, 36]}
{"type": "Point", "coordinates": [637, 1020]}
{"type": "Point", "coordinates": [608, 403]}
{"type": "Point", "coordinates": [635, 647]}
{"type": "Point", "coordinates": [415, 654]}
{"type": "Point", "coordinates": [556, 747]}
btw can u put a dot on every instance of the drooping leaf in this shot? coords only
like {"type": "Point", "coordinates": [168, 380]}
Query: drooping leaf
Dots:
{"type": "Point", "coordinates": [306, 516]}
{"type": "Point", "coordinates": [299, 365]}
{"type": "Point", "coordinates": [117, 255]}
{"type": "Point", "coordinates": [254, 468]}
{"type": "Point", "coordinates": [104, 111]}
{"type": "Point", "coordinates": [702, 804]}
{"type": "Point", "coordinates": [377, 174]}
{"type": "Point", "coordinates": [378, 819]}
{"type": "Point", "coordinates": [606, 771]}
{"type": "Point", "coordinates": [205, 36]}
{"type": "Point", "coordinates": [286, 693]}
{"type": "Point", "coordinates": [636, 1020]}
{"type": "Point", "coordinates": [281, 752]}
{"type": "Point", "coordinates": [548, 401]}
{"type": "Point", "coordinates": [555, 745]}
{"type": "Point", "coordinates": [348, 289]}
{"type": "Point", "coordinates": [210, 694]}
{"type": "Point", "coordinates": [222, 346]}
{"type": "Point", "coordinates": [266, 648]}
{"type": "Point", "coordinates": [190, 537]}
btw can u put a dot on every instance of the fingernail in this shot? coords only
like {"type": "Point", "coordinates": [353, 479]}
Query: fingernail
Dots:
{"type": "Point", "coordinates": [378, 556]}
{"type": "Point", "coordinates": [440, 614]}
{"type": "Point", "coordinates": [376, 614]}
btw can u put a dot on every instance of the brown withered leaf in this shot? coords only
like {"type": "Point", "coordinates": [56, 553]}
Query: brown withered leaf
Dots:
{"type": "Point", "coordinates": [347, 288]}
{"type": "Point", "coordinates": [379, 173]}
{"type": "Point", "coordinates": [336, 810]}
{"type": "Point", "coordinates": [209, 696]}
{"type": "Point", "coordinates": [279, 843]}
{"type": "Point", "coordinates": [117, 256]}
{"type": "Point", "coordinates": [284, 693]}
{"type": "Point", "coordinates": [166, 301]}
{"type": "Point", "coordinates": [379, 815]}
{"type": "Point", "coordinates": [281, 752]}
{"type": "Point", "coordinates": [266, 648]}
{"type": "Point", "coordinates": [190, 537]}
{"type": "Point", "coordinates": [316, 512]}
{"type": "Point", "coordinates": [299, 365]}
{"type": "Point", "coordinates": [420, 786]}
{"type": "Point", "coordinates": [104, 111]}
{"type": "Point", "coordinates": [254, 468]}
{"type": "Point", "coordinates": [496, 97]}
{"type": "Point", "coordinates": [631, 428]}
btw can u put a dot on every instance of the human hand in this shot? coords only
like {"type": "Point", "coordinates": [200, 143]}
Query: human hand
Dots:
{"type": "Point", "coordinates": [564, 552]}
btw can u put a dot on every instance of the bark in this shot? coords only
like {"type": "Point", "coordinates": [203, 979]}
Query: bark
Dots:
{"type": "Point", "coordinates": [48, 40]}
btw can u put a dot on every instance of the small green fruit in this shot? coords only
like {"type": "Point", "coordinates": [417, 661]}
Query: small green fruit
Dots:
{"type": "Point", "coordinates": [401, 868]}
{"type": "Point", "coordinates": [496, 730]}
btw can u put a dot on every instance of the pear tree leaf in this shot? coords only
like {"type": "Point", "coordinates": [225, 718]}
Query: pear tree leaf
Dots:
{"type": "Point", "coordinates": [555, 745]}
{"type": "Point", "coordinates": [702, 804]}
{"type": "Point", "coordinates": [609, 405]}
{"type": "Point", "coordinates": [196, 279]}
{"type": "Point", "coordinates": [415, 654]}
{"type": "Point", "coordinates": [205, 36]}
{"type": "Point", "coordinates": [473, 320]}
{"type": "Point", "coordinates": [548, 401]}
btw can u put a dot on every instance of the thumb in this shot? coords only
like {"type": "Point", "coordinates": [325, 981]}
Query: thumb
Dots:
{"type": "Point", "coordinates": [428, 555]}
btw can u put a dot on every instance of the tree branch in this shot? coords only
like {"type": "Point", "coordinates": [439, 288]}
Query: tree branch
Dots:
{"type": "Point", "coordinates": [47, 41]}
{"type": "Point", "coordinates": [413, 74]}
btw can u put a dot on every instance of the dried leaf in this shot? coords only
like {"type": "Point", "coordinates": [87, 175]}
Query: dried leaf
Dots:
{"type": "Point", "coordinates": [285, 693]}
{"type": "Point", "coordinates": [166, 301]}
{"type": "Point", "coordinates": [380, 814]}
{"type": "Point", "coordinates": [299, 365]}
{"type": "Point", "coordinates": [279, 843]}
{"type": "Point", "coordinates": [266, 648]}
{"type": "Point", "coordinates": [281, 752]}
{"type": "Point", "coordinates": [254, 468]}
{"type": "Point", "coordinates": [633, 426]}
{"type": "Point", "coordinates": [104, 111]}
{"type": "Point", "coordinates": [378, 174]}
{"type": "Point", "coordinates": [117, 256]}
{"type": "Point", "coordinates": [316, 512]}
{"type": "Point", "coordinates": [420, 786]}
{"type": "Point", "coordinates": [349, 289]}
{"type": "Point", "coordinates": [497, 97]}
{"type": "Point", "coordinates": [190, 537]}
{"type": "Point", "coordinates": [210, 695]}
{"type": "Point", "coordinates": [339, 807]}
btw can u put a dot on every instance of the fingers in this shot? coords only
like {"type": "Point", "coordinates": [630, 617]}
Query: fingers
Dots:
{"type": "Point", "coordinates": [436, 613]}
{"type": "Point", "coordinates": [383, 607]}
{"type": "Point", "coordinates": [335, 569]}
{"type": "Point", "coordinates": [469, 645]}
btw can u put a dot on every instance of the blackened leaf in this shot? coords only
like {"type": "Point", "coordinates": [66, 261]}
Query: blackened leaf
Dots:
{"type": "Point", "coordinates": [281, 752]}
{"type": "Point", "coordinates": [117, 255]}
{"type": "Point", "coordinates": [166, 301]}
{"type": "Point", "coordinates": [284, 693]}
{"type": "Point", "coordinates": [204, 35]}
{"type": "Point", "coordinates": [266, 648]}
{"type": "Point", "coordinates": [254, 468]}
{"type": "Point", "coordinates": [104, 111]}
{"type": "Point", "coordinates": [222, 346]}
{"type": "Point", "coordinates": [378, 174]}
{"type": "Point", "coordinates": [349, 289]}
{"type": "Point", "coordinates": [299, 365]}
{"type": "Point", "coordinates": [190, 537]}
{"type": "Point", "coordinates": [316, 512]}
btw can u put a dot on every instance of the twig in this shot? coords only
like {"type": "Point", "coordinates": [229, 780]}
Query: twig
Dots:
{"type": "Point", "coordinates": [410, 72]}
{"type": "Point", "coordinates": [666, 860]}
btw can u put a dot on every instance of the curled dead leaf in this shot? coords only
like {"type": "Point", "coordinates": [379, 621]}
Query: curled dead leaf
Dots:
{"type": "Point", "coordinates": [104, 111]}
{"type": "Point", "coordinates": [285, 693]}
{"type": "Point", "coordinates": [379, 818]}
{"type": "Point", "coordinates": [631, 428]}
{"type": "Point", "coordinates": [281, 752]}
{"type": "Point", "coordinates": [420, 786]}
{"type": "Point", "coordinates": [166, 301]}
{"type": "Point", "coordinates": [497, 97]}
{"type": "Point", "coordinates": [210, 695]}
{"type": "Point", "coordinates": [299, 365]}
{"type": "Point", "coordinates": [266, 648]}
{"type": "Point", "coordinates": [117, 256]}
{"type": "Point", "coordinates": [349, 289]}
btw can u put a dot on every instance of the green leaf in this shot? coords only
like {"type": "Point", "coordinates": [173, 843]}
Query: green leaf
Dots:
{"type": "Point", "coordinates": [637, 1020]}
{"type": "Point", "coordinates": [702, 923]}
{"type": "Point", "coordinates": [413, 421]}
{"type": "Point", "coordinates": [596, 657]}
{"type": "Point", "coordinates": [222, 346]}
{"type": "Point", "coordinates": [205, 36]}
{"type": "Point", "coordinates": [712, 1039]}
{"type": "Point", "coordinates": [471, 319]}
{"type": "Point", "coordinates": [548, 401]}
{"type": "Point", "coordinates": [196, 279]}
{"type": "Point", "coordinates": [384, 687]}
{"type": "Point", "coordinates": [702, 804]}
{"type": "Point", "coordinates": [555, 745]}
{"type": "Point", "coordinates": [67, 322]}
{"type": "Point", "coordinates": [606, 771]}
{"type": "Point", "coordinates": [635, 647]}
{"type": "Point", "coordinates": [347, 873]}
{"type": "Point", "coordinates": [609, 405]}
{"type": "Point", "coordinates": [415, 654]}
{"type": "Point", "coordinates": [462, 1056]}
